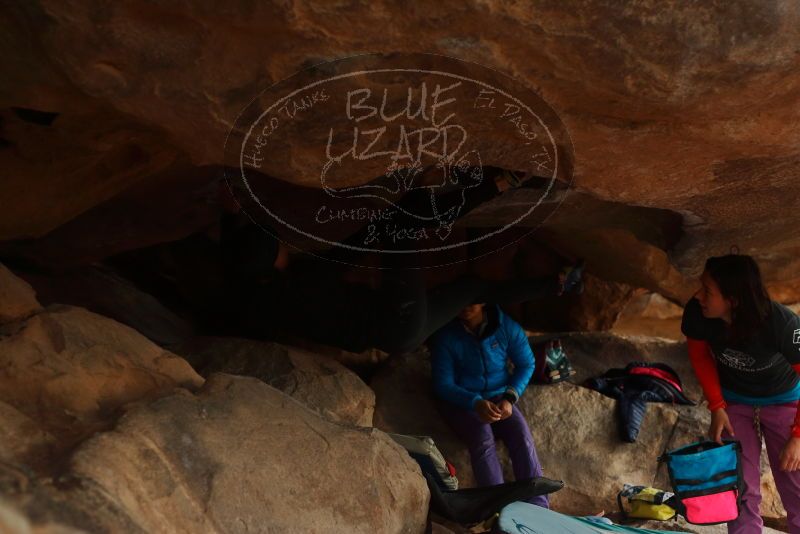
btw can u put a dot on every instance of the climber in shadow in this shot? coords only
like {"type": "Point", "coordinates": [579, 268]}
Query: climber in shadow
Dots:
{"type": "Point", "coordinates": [479, 393]}
{"type": "Point", "coordinates": [266, 297]}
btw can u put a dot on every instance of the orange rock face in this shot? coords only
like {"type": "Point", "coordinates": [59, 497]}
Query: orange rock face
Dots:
{"type": "Point", "coordinates": [683, 120]}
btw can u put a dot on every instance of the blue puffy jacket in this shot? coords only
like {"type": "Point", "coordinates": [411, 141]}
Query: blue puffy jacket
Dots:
{"type": "Point", "coordinates": [466, 369]}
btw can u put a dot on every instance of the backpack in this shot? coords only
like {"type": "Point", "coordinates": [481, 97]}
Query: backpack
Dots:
{"type": "Point", "coordinates": [646, 503]}
{"type": "Point", "coordinates": [552, 365]}
{"type": "Point", "coordinates": [430, 459]}
{"type": "Point", "coordinates": [707, 480]}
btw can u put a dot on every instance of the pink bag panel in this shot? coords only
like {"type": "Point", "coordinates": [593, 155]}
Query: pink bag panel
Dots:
{"type": "Point", "coordinates": [714, 508]}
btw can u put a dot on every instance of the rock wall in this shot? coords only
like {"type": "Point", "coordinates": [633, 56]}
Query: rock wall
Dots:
{"type": "Point", "coordinates": [317, 381]}
{"type": "Point", "coordinates": [682, 119]}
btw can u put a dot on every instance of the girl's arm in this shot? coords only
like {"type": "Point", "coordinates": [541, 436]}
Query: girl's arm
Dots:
{"type": "Point", "coordinates": [789, 343]}
{"type": "Point", "coordinates": [796, 427]}
{"type": "Point", "coordinates": [706, 371]}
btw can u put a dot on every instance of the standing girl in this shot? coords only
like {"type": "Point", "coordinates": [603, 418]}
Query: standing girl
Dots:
{"type": "Point", "coordinates": [745, 350]}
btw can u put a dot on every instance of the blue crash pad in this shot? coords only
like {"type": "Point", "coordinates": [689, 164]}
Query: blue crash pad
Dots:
{"type": "Point", "coordinates": [525, 518]}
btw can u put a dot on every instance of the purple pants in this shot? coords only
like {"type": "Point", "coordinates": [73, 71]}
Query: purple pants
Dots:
{"type": "Point", "coordinates": [479, 437]}
{"type": "Point", "coordinates": [776, 426]}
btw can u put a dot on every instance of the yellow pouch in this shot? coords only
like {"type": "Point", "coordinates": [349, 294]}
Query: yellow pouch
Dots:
{"type": "Point", "coordinates": [646, 503]}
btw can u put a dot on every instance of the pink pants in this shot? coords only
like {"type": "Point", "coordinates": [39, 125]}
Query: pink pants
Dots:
{"type": "Point", "coordinates": [776, 425]}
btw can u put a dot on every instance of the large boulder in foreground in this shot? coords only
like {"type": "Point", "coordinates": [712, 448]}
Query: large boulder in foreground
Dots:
{"type": "Point", "coordinates": [318, 381]}
{"type": "Point", "coordinates": [69, 368]}
{"type": "Point", "coordinates": [238, 456]}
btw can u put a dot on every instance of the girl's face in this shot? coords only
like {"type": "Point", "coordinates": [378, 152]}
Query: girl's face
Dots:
{"type": "Point", "coordinates": [712, 302]}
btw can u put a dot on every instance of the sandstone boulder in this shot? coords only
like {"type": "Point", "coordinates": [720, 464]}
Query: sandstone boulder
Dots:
{"type": "Point", "coordinates": [17, 298]}
{"type": "Point", "coordinates": [650, 314]}
{"type": "Point", "coordinates": [657, 307]}
{"type": "Point", "coordinates": [596, 309]}
{"type": "Point", "coordinates": [317, 381]}
{"type": "Point", "coordinates": [67, 368]}
{"type": "Point", "coordinates": [240, 456]}
{"type": "Point", "coordinates": [22, 440]}
{"type": "Point", "coordinates": [575, 430]}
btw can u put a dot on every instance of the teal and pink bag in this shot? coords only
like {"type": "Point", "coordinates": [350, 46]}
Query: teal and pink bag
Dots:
{"type": "Point", "coordinates": [707, 480]}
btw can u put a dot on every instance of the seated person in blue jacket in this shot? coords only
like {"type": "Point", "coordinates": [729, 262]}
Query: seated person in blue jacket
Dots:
{"type": "Point", "coordinates": [469, 358]}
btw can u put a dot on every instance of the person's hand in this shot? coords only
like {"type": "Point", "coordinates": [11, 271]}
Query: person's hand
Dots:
{"type": "Point", "coordinates": [719, 422]}
{"type": "Point", "coordinates": [488, 412]}
{"type": "Point", "coordinates": [790, 455]}
{"type": "Point", "coordinates": [505, 409]}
